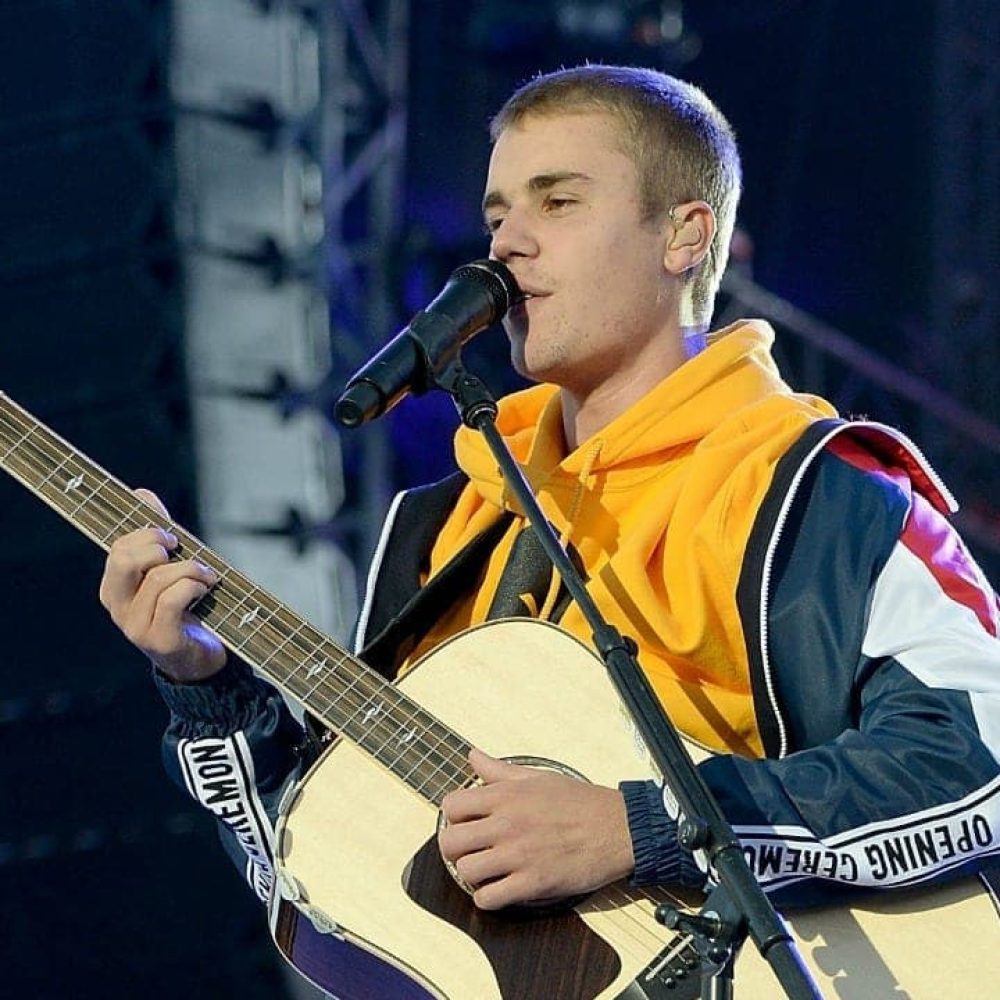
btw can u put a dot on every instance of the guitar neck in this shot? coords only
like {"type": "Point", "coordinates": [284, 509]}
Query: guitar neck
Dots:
{"type": "Point", "coordinates": [329, 683]}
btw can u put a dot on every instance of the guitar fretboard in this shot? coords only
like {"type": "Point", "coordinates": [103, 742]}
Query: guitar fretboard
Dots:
{"type": "Point", "coordinates": [330, 683]}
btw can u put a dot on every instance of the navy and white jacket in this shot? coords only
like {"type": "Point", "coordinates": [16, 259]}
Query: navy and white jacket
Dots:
{"type": "Point", "coordinates": [875, 665]}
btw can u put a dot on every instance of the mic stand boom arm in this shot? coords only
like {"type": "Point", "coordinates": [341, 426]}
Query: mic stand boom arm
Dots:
{"type": "Point", "coordinates": [738, 905]}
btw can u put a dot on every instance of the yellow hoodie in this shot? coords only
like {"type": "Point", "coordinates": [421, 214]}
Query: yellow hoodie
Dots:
{"type": "Point", "coordinates": [659, 505]}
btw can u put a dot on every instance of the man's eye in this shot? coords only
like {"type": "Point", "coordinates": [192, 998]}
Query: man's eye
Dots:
{"type": "Point", "coordinates": [490, 226]}
{"type": "Point", "coordinates": [557, 202]}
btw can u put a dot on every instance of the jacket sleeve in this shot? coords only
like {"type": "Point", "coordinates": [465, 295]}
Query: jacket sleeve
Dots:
{"type": "Point", "coordinates": [885, 668]}
{"type": "Point", "coordinates": [233, 745]}
{"type": "Point", "coordinates": [232, 742]}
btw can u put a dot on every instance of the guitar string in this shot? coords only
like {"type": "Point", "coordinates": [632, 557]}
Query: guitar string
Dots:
{"type": "Point", "coordinates": [634, 916]}
{"type": "Point", "coordinates": [441, 755]}
{"type": "Point", "coordinates": [100, 506]}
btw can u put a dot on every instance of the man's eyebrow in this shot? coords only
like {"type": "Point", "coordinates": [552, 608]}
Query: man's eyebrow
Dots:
{"type": "Point", "coordinates": [494, 200]}
{"type": "Point", "coordinates": [540, 182]}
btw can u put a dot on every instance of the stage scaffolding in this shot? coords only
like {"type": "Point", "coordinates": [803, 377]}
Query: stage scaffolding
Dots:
{"type": "Point", "coordinates": [290, 132]}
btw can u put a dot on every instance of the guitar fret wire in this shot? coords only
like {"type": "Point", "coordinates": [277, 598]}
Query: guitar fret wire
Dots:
{"type": "Point", "coordinates": [247, 618]}
{"type": "Point", "coordinates": [70, 454]}
{"type": "Point", "coordinates": [434, 772]}
{"type": "Point", "coordinates": [197, 553]}
{"type": "Point", "coordinates": [448, 758]}
{"type": "Point", "coordinates": [367, 690]}
{"type": "Point", "coordinates": [315, 664]}
{"type": "Point", "coordinates": [413, 713]}
{"type": "Point", "coordinates": [311, 660]}
{"type": "Point", "coordinates": [136, 506]}
{"type": "Point", "coordinates": [383, 732]}
{"type": "Point", "coordinates": [350, 697]}
{"type": "Point", "coordinates": [321, 681]}
{"type": "Point", "coordinates": [365, 703]}
{"type": "Point", "coordinates": [388, 693]}
{"type": "Point", "coordinates": [59, 506]}
{"type": "Point", "coordinates": [407, 743]}
{"type": "Point", "coordinates": [388, 726]}
{"type": "Point", "coordinates": [100, 506]}
{"type": "Point", "coordinates": [294, 641]}
{"type": "Point", "coordinates": [287, 643]}
{"type": "Point", "coordinates": [84, 499]}
{"type": "Point", "coordinates": [17, 444]}
{"type": "Point", "coordinates": [277, 649]}
{"type": "Point", "coordinates": [54, 470]}
{"type": "Point", "coordinates": [451, 756]}
{"type": "Point", "coordinates": [91, 504]}
{"type": "Point", "coordinates": [349, 701]}
{"type": "Point", "coordinates": [27, 464]}
{"type": "Point", "coordinates": [417, 719]}
{"type": "Point", "coordinates": [420, 788]}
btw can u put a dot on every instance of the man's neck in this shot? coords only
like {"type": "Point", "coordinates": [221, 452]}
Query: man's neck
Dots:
{"type": "Point", "coordinates": [585, 413]}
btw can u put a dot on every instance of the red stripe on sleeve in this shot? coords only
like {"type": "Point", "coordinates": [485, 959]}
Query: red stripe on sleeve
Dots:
{"type": "Point", "coordinates": [938, 546]}
{"type": "Point", "coordinates": [932, 539]}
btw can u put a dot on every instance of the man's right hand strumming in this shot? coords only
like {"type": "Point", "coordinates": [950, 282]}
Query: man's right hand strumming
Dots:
{"type": "Point", "coordinates": [148, 597]}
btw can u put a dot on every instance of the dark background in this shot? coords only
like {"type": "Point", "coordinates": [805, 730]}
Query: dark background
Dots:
{"type": "Point", "coordinates": [110, 884]}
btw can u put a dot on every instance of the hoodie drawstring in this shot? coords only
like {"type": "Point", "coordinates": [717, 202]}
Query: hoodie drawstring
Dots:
{"type": "Point", "coordinates": [555, 584]}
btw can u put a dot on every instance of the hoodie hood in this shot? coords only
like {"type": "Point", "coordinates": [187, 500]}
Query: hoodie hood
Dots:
{"type": "Point", "coordinates": [657, 507]}
{"type": "Point", "coordinates": [686, 408]}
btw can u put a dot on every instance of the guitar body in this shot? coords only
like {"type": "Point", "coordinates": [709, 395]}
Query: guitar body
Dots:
{"type": "Point", "coordinates": [365, 907]}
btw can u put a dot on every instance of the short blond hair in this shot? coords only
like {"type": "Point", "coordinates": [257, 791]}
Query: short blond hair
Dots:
{"type": "Point", "coordinates": [682, 146]}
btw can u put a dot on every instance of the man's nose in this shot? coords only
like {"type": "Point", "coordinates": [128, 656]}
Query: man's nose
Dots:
{"type": "Point", "coordinates": [514, 237]}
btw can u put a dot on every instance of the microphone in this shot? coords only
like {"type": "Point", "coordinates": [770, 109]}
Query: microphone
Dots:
{"type": "Point", "coordinates": [474, 297]}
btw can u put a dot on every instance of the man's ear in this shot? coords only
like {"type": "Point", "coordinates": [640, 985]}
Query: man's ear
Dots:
{"type": "Point", "coordinates": [691, 229]}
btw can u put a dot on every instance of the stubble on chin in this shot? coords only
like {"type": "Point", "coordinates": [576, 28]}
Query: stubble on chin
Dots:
{"type": "Point", "coordinates": [545, 365]}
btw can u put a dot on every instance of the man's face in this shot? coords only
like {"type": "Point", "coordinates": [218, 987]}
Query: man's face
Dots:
{"type": "Point", "coordinates": [562, 204]}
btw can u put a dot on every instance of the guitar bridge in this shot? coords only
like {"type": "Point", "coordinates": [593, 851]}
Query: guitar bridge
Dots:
{"type": "Point", "coordinates": [674, 974]}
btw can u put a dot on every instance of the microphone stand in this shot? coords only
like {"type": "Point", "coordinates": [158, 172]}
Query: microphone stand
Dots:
{"type": "Point", "coordinates": [737, 906]}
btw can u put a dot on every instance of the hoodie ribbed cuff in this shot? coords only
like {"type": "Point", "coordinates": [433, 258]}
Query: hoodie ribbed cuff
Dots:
{"type": "Point", "coordinates": [659, 858]}
{"type": "Point", "coordinates": [220, 704]}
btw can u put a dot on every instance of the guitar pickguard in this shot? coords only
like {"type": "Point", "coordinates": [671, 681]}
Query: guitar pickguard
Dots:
{"type": "Point", "coordinates": [524, 947]}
